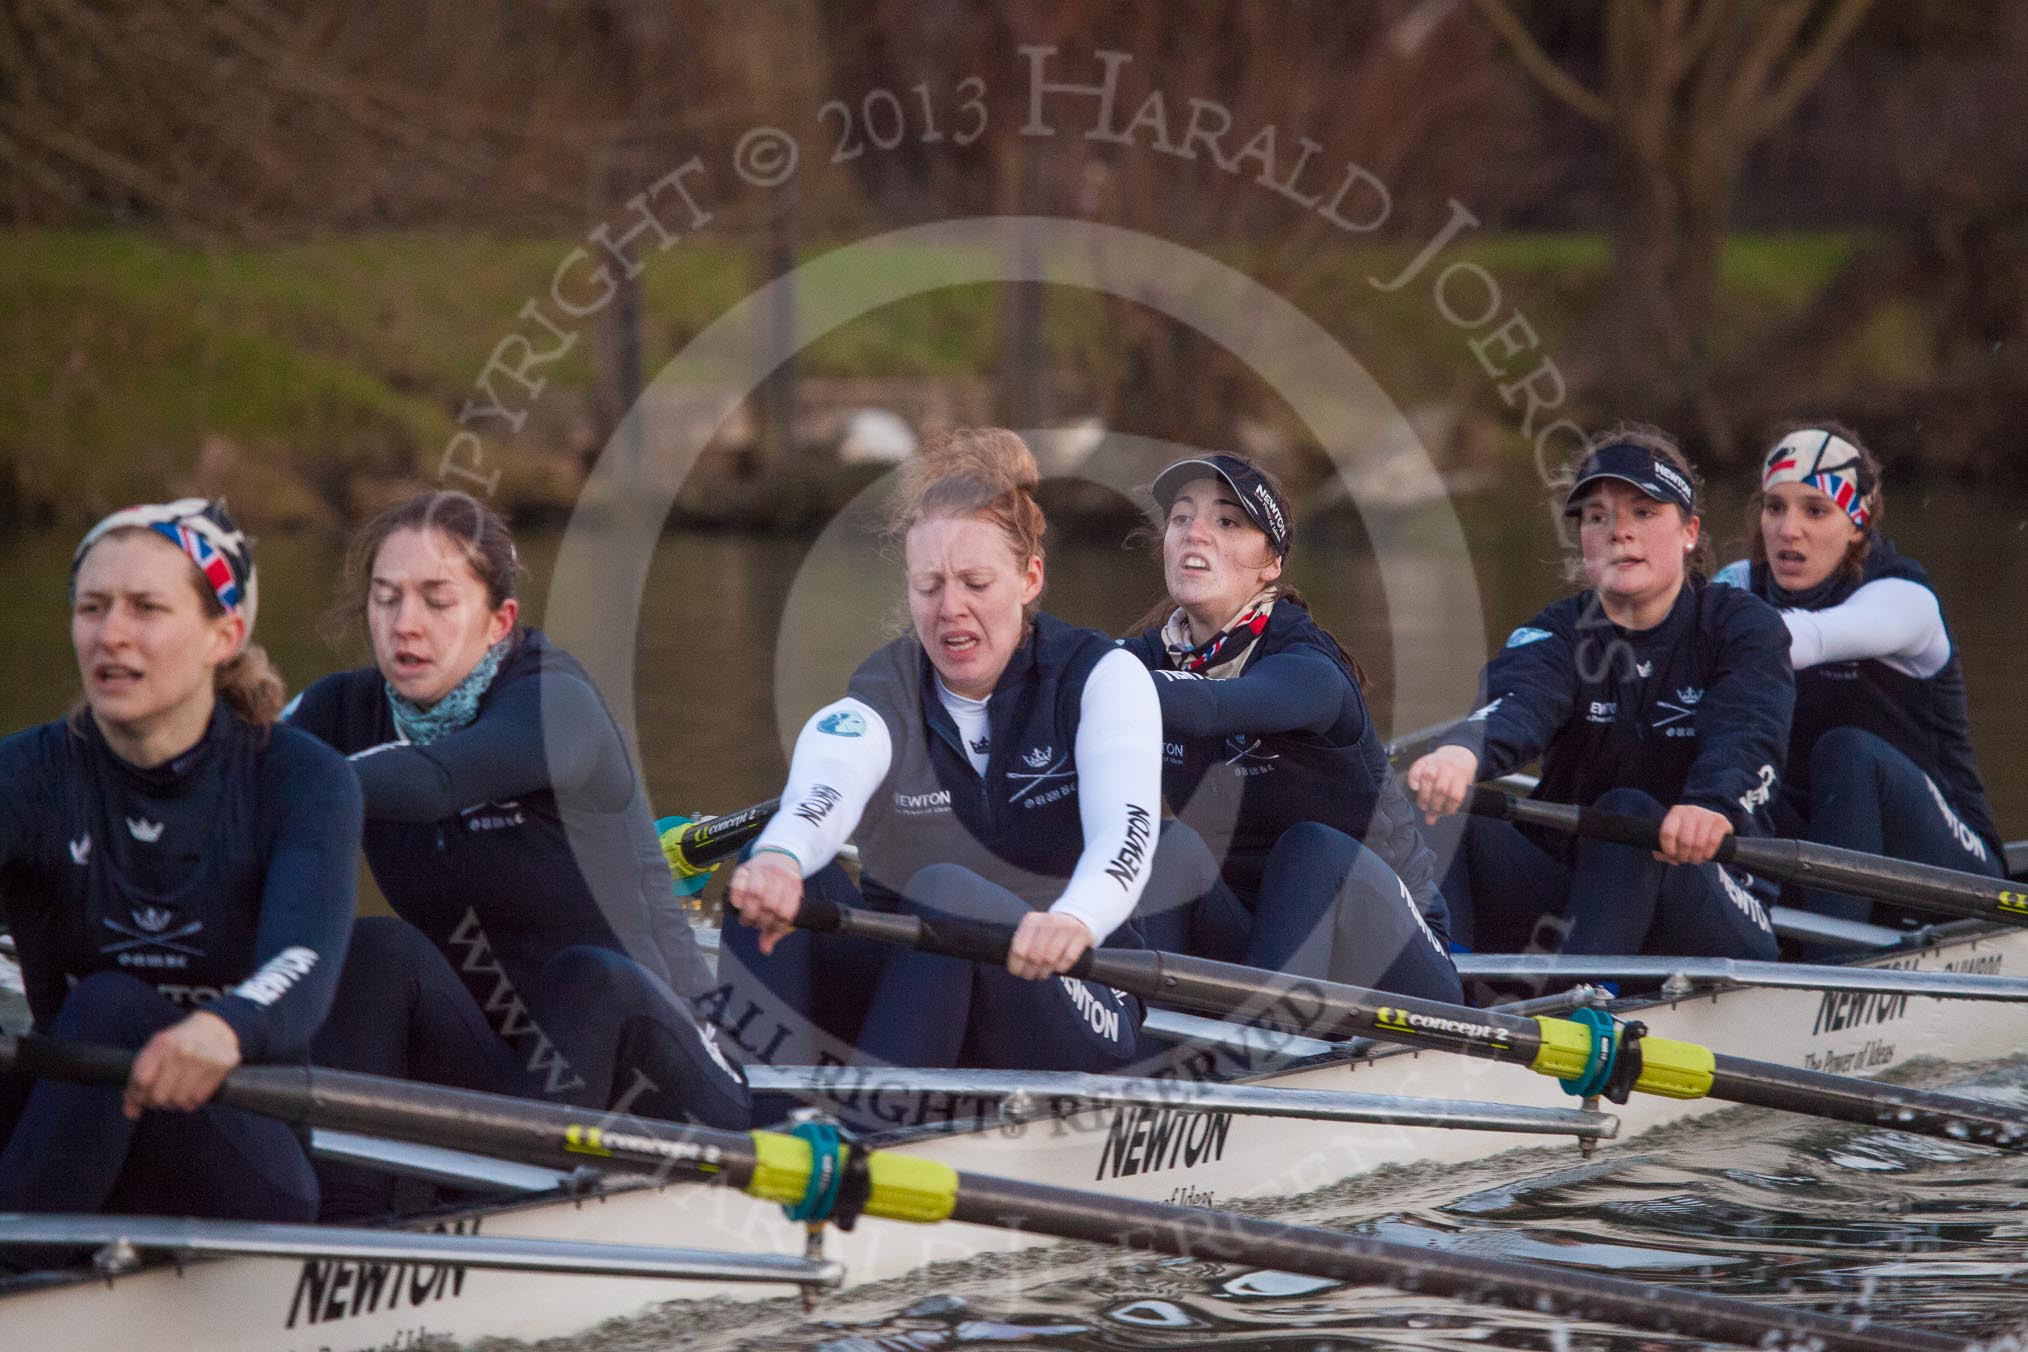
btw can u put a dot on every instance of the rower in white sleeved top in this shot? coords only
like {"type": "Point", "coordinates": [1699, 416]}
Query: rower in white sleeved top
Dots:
{"type": "Point", "coordinates": [1880, 750]}
{"type": "Point", "coordinates": [996, 764]}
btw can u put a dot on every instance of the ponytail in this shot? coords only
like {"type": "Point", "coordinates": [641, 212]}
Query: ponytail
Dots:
{"type": "Point", "coordinates": [252, 687]}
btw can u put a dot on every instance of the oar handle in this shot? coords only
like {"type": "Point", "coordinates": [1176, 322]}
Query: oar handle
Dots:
{"type": "Point", "coordinates": [34, 1055]}
{"type": "Point", "coordinates": [1593, 823]}
{"type": "Point", "coordinates": [973, 940]}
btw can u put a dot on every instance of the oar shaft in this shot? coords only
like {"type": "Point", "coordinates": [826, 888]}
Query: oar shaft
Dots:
{"type": "Point", "coordinates": [1572, 1293]}
{"type": "Point", "coordinates": [1875, 877]}
{"type": "Point", "coordinates": [1330, 1010]}
{"type": "Point", "coordinates": [486, 1124]}
{"type": "Point", "coordinates": [704, 843]}
{"type": "Point", "coordinates": [1946, 1116]}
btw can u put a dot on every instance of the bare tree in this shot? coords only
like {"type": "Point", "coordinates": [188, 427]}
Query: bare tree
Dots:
{"type": "Point", "coordinates": [1687, 89]}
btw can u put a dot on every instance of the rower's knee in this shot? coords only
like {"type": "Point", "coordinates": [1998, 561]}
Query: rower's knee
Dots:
{"type": "Point", "coordinates": [115, 1008]}
{"type": "Point", "coordinates": [1631, 803]}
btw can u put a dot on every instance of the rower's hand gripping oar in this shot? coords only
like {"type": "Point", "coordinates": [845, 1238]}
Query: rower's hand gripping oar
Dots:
{"type": "Point", "coordinates": [816, 1177]}
{"type": "Point", "coordinates": [1591, 1055]}
{"type": "Point", "coordinates": [695, 849]}
{"type": "Point", "coordinates": [1900, 881]}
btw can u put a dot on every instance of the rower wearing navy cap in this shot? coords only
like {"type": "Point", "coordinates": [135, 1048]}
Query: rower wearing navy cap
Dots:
{"type": "Point", "coordinates": [177, 872]}
{"type": "Point", "coordinates": [1650, 693]}
{"type": "Point", "coordinates": [1271, 758]}
{"type": "Point", "coordinates": [1880, 757]}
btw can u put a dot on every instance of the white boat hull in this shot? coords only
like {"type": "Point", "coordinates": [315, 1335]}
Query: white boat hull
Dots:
{"type": "Point", "coordinates": [1173, 1155]}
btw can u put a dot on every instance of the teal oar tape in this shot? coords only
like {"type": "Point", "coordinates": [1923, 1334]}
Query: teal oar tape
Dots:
{"type": "Point", "coordinates": [683, 886]}
{"type": "Point", "coordinates": [1604, 1047]}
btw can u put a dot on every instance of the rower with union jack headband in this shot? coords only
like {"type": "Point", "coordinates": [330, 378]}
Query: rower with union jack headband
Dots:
{"type": "Point", "coordinates": [177, 872]}
{"type": "Point", "coordinates": [998, 765]}
{"type": "Point", "coordinates": [1880, 754]}
{"type": "Point", "coordinates": [1650, 693]}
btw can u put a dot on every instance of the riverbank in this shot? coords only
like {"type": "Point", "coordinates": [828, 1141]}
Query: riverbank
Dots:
{"type": "Point", "coordinates": [308, 380]}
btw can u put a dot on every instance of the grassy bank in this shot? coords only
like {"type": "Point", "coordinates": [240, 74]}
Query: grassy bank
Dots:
{"type": "Point", "coordinates": [290, 376]}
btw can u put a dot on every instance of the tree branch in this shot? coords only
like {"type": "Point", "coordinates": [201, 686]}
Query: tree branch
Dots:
{"type": "Point", "coordinates": [1540, 67]}
{"type": "Point", "coordinates": [1808, 68]}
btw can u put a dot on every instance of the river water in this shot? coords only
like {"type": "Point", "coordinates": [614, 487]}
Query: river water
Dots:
{"type": "Point", "coordinates": [739, 637]}
{"type": "Point", "coordinates": [1919, 1233]}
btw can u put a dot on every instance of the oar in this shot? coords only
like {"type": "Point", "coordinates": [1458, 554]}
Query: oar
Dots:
{"type": "Point", "coordinates": [1422, 737]}
{"type": "Point", "coordinates": [695, 848]}
{"type": "Point", "coordinates": [1569, 1050]}
{"type": "Point", "coordinates": [794, 1171]}
{"type": "Point", "coordinates": [1791, 861]}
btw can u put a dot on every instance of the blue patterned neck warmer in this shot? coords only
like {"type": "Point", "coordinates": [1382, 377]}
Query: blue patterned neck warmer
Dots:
{"type": "Point", "coordinates": [455, 710]}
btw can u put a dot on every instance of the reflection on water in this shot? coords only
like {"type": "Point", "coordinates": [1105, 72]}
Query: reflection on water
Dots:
{"type": "Point", "coordinates": [1918, 1233]}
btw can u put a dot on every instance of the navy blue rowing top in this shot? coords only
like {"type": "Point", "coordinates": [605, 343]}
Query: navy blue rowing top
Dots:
{"type": "Point", "coordinates": [1695, 710]}
{"type": "Point", "coordinates": [521, 835]}
{"type": "Point", "coordinates": [1287, 740]}
{"type": "Point", "coordinates": [225, 877]}
{"type": "Point", "coordinates": [1923, 718]}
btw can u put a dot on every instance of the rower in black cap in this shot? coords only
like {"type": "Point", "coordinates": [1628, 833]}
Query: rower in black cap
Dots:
{"type": "Point", "coordinates": [1316, 864]}
{"type": "Point", "coordinates": [1649, 693]}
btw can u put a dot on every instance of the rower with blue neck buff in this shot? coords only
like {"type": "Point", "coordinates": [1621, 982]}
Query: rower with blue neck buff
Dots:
{"type": "Point", "coordinates": [178, 875]}
{"type": "Point", "coordinates": [1650, 693]}
{"type": "Point", "coordinates": [1311, 860]}
{"type": "Point", "coordinates": [506, 821]}
{"type": "Point", "coordinates": [1880, 754]}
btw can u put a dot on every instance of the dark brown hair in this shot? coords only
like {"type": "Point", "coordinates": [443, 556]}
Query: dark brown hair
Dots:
{"type": "Point", "coordinates": [1855, 553]}
{"type": "Point", "coordinates": [1163, 606]}
{"type": "Point", "coordinates": [1648, 438]}
{"type": "Point", "coordinates": [479, 532]}
{"type": "Point", "coordinates": [984, 472]}
{"type": "Point", "coordinates": [248, 682]}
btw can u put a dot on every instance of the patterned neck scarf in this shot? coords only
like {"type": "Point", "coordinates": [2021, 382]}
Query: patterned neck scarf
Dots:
{"type": "Point", "coordinates": [456, 709]}
{"type": "Point", "coordinates": [1225, 652]}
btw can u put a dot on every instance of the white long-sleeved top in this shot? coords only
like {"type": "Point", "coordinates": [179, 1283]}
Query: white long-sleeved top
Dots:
{"type": "Point", "coordinates": [846, 748]}
{"type": "Point", "coordinates": [1891, 620]}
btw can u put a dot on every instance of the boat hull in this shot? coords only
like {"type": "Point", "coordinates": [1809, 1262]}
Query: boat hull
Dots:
{"type": "Point", "coordinates": [1161, 1154]}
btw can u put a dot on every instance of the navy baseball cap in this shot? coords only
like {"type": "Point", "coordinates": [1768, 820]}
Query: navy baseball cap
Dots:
{"type": "Point", "coordinates": [1636, 465]}
{"type": "Point", "coordinates": [1257, 497]}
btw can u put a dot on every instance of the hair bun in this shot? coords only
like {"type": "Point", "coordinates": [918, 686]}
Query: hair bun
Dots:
{"type": "Point", "coordinates": [986, 472]}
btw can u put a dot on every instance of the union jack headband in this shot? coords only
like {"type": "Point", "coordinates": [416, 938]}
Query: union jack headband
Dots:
{"type": "Point", "coordinates": [1826, 462]}
{"type": "Point", "coordinates": [204, 532]}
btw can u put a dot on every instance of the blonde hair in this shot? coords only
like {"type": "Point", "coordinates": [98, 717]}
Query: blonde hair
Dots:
{"type": "Point", "coordinates": [983, 472]}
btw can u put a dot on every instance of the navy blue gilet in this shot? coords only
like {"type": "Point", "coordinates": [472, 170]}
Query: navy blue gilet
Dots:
{"type": "Point", "coordinates": [1017, 824]}
{"type": "Point", "coordinates": [472, 844]}
{"type": "Point", "coordinates": [1923, 718]}
{"type": "Point", "coordinates": [1241, 792]}
{"type": "Point", "coordinates": [1695, 710]}
{"type": "Point", "coordinates": [226, 877]}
